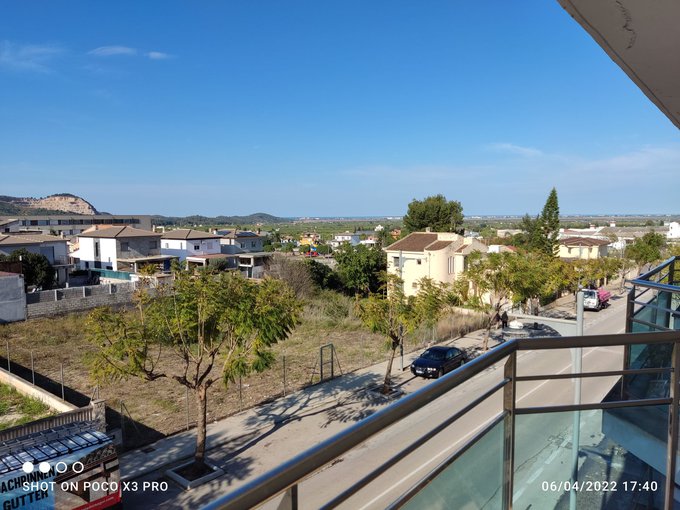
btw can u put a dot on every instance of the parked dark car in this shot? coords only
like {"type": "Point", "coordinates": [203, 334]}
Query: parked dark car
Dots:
{"type": "Point", "coordinates": [436, 361]}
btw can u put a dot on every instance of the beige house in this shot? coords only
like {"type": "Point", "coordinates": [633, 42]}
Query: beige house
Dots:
{"type": "Point", "coordinates": [584, 248]}
{"type": "Point", "coordinates": [440, 256]}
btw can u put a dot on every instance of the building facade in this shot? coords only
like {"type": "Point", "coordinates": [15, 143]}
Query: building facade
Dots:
{"type": "Point", "coordinates": [184, 243]}
{"type": "Point", "coordinates": [69, 224]}
{"type": "Point", "coordinates": [121, 249]}
{"type": "Point", "coordinates": [440, 256]}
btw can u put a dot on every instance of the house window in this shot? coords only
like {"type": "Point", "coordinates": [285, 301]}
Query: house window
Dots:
{"type": "Point", "coordinates": [450, 265]}
{"type": "Point", "coordinates": [419, 261]}
{"type": "Point", "coordinates": [167, 245]}
{"type": "Point", "coordinates": [396, 261]}
{"type": "Point", "coordinates": [414, 285]}
{"type": "Point", "coordinates": [197, 247]}
{"type": "Point", "coordinates": [124, 246]}
{"type": "Point", "coordinates": [252, 244]}
{"type": "Point", "coordinates": [153, 245]}
{"type": "Point", "coordinates": [96, 249]}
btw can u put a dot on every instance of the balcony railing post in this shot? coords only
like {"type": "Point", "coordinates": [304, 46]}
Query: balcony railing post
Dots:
{"type": "Point", "coordinates": [672, 431]}
{"type": "Point", "coordinates": [290, 499]}
{"type": "Point", "coordinates": [509, 372]}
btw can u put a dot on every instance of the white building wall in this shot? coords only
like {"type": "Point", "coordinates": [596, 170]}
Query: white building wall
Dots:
{"type": "Point", "coordinates": [673, 230]}
{"type": "Point", "coordinates": [108, 253]}
{"type": "Point", "coordinates": [86, 251]}
{"type": "Point", "coordinates": [184, 248]}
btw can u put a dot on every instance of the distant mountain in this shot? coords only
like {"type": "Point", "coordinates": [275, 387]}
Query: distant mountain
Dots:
{"type": "Point", "coordinates": [61, 203]}
{"type": "Point", "coordinates": [251, 219]}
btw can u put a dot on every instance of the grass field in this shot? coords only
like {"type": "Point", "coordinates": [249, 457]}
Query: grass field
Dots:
{"type": "Point", "coordinates": [161, 405]}
{"type": "Point", "coordinates": [17, 409]}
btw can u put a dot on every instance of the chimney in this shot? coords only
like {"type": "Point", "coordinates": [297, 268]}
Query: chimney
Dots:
{"type": "Point", "coordinates": [428, 229]}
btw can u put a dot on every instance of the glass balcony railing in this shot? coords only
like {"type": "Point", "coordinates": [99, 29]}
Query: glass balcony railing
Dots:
{"type": "Point", "coordinates": [500, 432]}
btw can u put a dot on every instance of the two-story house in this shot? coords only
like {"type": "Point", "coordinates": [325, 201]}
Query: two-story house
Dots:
{"type": "Point", "coordinates": [440, 256]}
{"type": "Point", "coordinates": [248, 247]}
{"type": "Point", "coordinates": [54, 248]}
{"type": "Point", "coordinates": [345, 238]}
{"type": "Point", "coordinates": [122, 249]}
{"type": "Point", "coordinates": [240, 241]}
{"type": "Point", "coordinates": [190, 245]}
{"type": "Point", "coordinates": [584, 248]}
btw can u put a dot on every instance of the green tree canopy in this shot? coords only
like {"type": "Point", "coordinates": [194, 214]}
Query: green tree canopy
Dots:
{"type": "Point", "coordinates": [35, 267]}
{"type": "Point", "coordinates": [540, 234]}
{"type": "Point", "coordinates": [435, 212]}
{"type": "Point", "coordinates": [216, 326]}
{"type": "Point", "coordinates": [646, 249]}
{"type": "Point", "coordinates": [486, 285]}
{"type": "Point", "coordinates": [359, 267]}
{"type": "Point", "coordinates": [393, 314]}
{"type": "Point", "coordinates": [550, 224]}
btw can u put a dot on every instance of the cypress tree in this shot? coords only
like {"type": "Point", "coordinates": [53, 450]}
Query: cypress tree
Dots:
{"type": "Point", "coordinates": [550, 223]}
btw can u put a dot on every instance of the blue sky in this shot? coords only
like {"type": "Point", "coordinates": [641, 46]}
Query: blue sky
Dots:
{"type": "Point", "coordinates": [308, 108]}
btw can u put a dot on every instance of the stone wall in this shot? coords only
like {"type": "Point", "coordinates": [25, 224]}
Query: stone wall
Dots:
{"type": "Point", "coordinates": [61, 301]}
{"type": "Point", "coordinates": [74, 305]}
{"type": "Point", "coordinates": [12, 299]}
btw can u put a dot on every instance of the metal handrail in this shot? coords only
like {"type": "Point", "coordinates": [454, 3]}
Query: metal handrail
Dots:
{"type": "Point", "coordinates": [657, 269]}
{"type": "Point", "coordinates": [290, 473]}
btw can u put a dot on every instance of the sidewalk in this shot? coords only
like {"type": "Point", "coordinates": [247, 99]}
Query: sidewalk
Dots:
{"type": "Point", "coordinates": [257, 440]}
{"type": "Point", "coordinates": [234, 429]}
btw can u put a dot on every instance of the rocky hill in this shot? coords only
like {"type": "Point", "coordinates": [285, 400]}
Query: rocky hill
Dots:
{"type": "Point", "coordinates": [53, 204]}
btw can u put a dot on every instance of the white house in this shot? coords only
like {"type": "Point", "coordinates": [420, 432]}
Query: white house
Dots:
{"type": "Point", "coordinates": [185, 242]}
{"type": "Point", "coordinates": [54, 248]}
{"type": "Point", "coordinates": [673, 233]}
{"type": "Point", "coordinates": [345, 238]}
{"type": "Point", "coordinates": [240, 241]}
{"type": "Point", "coordinates": [124, 249]}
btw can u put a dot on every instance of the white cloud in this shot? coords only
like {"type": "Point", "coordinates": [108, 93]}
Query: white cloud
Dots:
{"type": "Point", "coordinates": [27, 57]}
{"type": "Point", "coordinates": [157, 55]}
{"type": "Point", "coordinates": [517, 150]}
{"type": "Point", "coordinates": [108, 51]}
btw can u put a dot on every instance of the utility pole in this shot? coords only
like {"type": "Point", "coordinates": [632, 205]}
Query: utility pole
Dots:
{"type": "Point", "coordinates": [577, 357]}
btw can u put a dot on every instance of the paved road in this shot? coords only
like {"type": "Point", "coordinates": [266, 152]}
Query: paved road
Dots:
{"type": "Point", "coordinates": [538, 438]}
{"type": "Point", "coordinates": [543, 442]}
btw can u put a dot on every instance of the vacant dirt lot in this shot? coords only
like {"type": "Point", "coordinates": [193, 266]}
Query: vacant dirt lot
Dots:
{"type": "Point", "coordinates": [154, 409]}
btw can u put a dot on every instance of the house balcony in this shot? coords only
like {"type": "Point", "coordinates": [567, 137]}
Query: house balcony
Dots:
{"type": "Point", "coordinates": [505, 445]}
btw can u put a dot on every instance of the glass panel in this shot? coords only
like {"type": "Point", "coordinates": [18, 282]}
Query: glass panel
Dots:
{"type": "Point", "coordinates": [559, 361]}
{"type": "Point", "coordinates": [650, 356]}
{"type": "Point", "coordinates": [658, 313]}
{"type": "Point", "coordinates": [618, 462]}
{"type": "Point", "coordinates": [474, 480]}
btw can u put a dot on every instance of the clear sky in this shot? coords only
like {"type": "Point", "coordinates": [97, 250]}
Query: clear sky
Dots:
{"type": "Point", "coordinates": [323, 108]}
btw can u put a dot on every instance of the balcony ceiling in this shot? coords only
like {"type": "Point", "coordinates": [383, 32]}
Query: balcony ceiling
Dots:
{"type": "Point", "coordinates": [643, 38]}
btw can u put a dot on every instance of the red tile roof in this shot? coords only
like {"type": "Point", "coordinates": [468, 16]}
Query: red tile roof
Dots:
{"type": "Point", "coordinates": [120, 233]}
{"type": "Point", "coordinates": [438, 245]}
{"type": "Point", "coordinates": [189, 233]}
{"type": "Point", "coordinates": [583, 241]}
{"type": "Point", "coordinates": [416, 241]}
